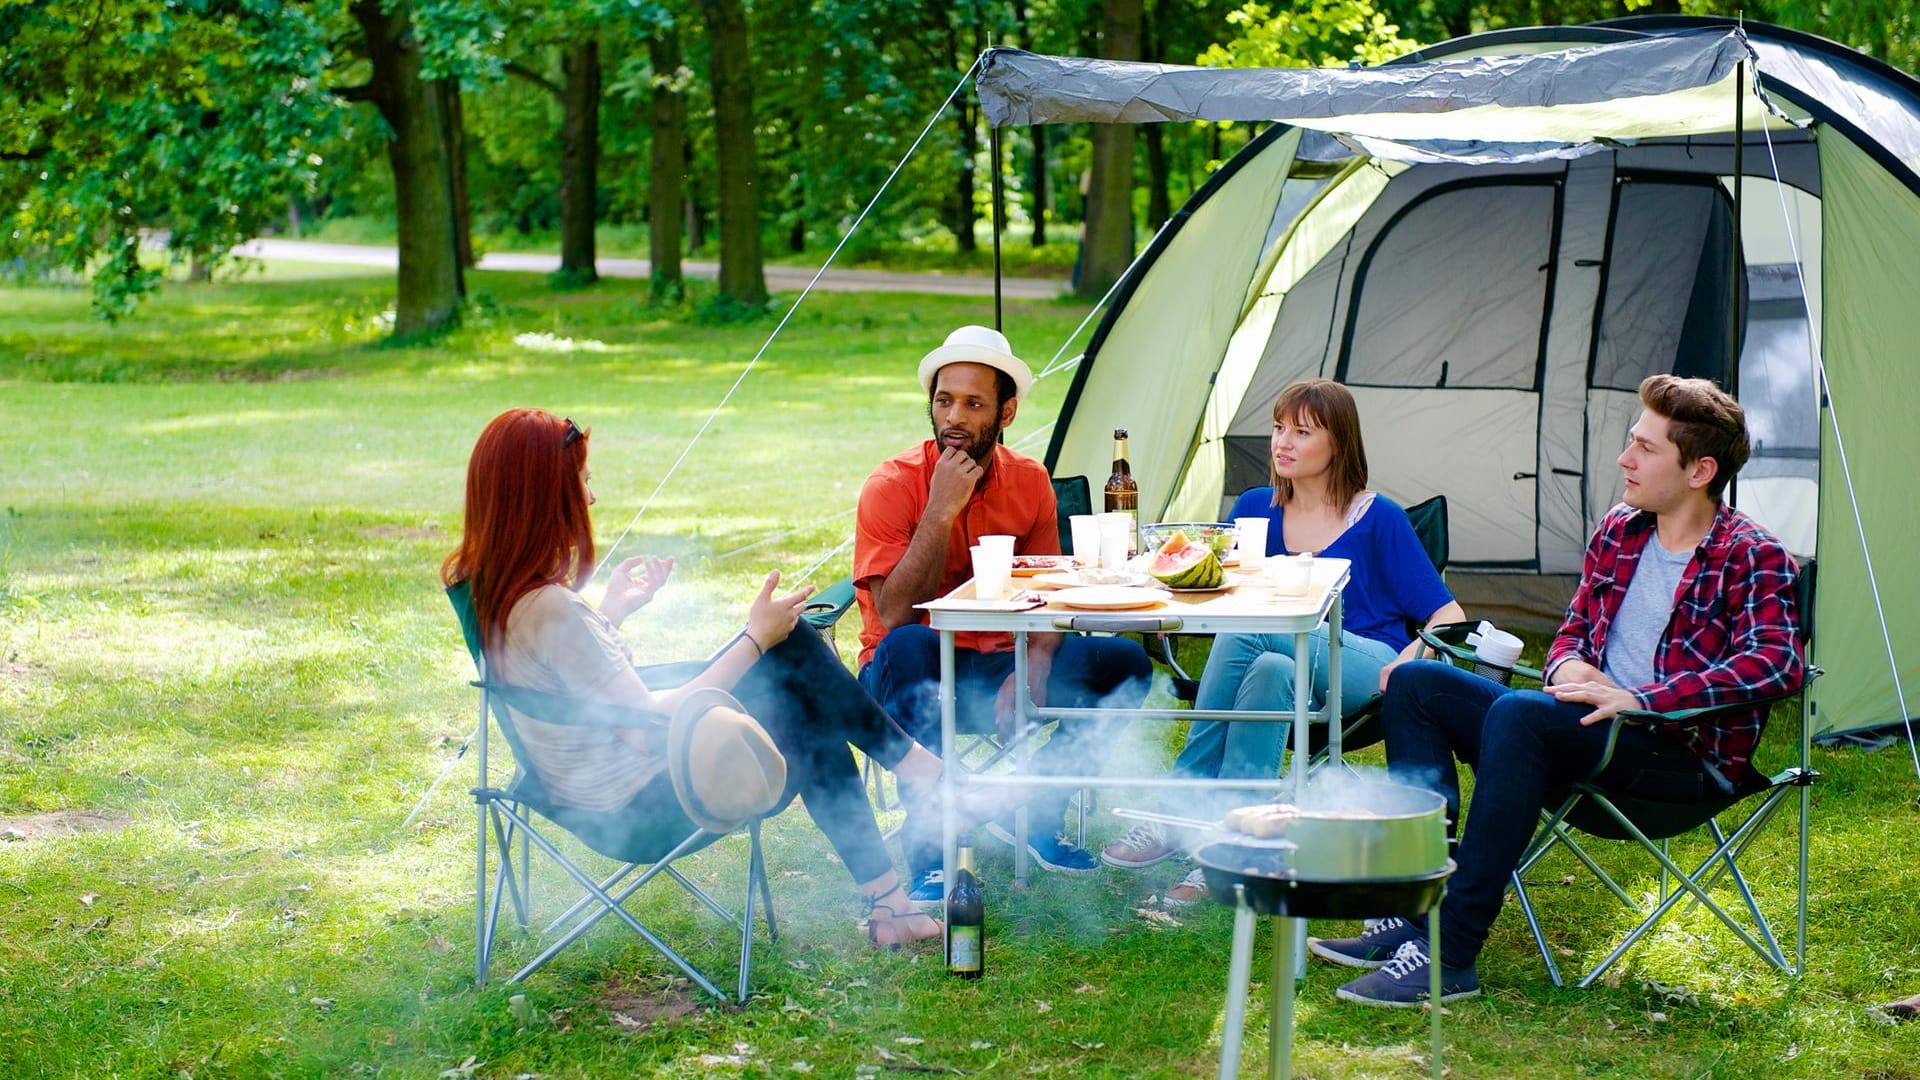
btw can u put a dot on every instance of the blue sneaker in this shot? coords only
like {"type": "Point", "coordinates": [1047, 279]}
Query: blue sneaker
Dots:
{"type": "Point", "coordinates": [1404, 981]}
{"type": "Point", "coordinates": [929, 887]}
{"type": "Point", "coordinates": [1053, 851]}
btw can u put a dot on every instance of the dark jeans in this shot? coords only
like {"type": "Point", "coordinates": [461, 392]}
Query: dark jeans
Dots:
{"type": "Point", "coordinates": [1088, 672]}
{"type": "Point", "coordinates": [1525, 748]}
{"type": "Point", "coordinates": [812, 707]}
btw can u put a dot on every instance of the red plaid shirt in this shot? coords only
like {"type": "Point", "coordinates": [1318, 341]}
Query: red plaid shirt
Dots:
{"type": "Point", "coordinates": [1732, 636]}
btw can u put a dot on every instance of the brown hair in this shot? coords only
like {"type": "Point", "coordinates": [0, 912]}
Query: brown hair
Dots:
{"type": "Point", "coordinates": [526, 521]}
{"type": "Point", "coordinates": [1329, 405]}
{"type": "Point", "coordinates": [1703, 421]}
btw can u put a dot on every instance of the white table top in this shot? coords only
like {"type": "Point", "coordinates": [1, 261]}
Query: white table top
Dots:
{"type": "Point", "coordinates": [1247, 607]}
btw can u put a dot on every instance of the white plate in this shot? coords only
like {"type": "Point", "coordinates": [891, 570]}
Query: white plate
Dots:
{"type": "Point", "coordinates": [1108, 597]}
{"type": "Point", "coordinates": [1075, 580]}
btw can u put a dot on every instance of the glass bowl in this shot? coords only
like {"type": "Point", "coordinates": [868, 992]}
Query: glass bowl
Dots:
{"type": "Point", "coordinates": [1216, 534]}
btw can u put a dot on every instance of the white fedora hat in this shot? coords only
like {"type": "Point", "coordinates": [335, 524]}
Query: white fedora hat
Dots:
{"type": "Point", "coordinates": [725, 768]}
{"type": "Point", "coordinates": [977, 345]}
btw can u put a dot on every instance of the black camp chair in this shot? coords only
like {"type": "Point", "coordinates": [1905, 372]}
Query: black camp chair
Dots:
{"type": "Point", "coordinates": [508, 812]}
{"type": "Point", "coordinates": [1359, 721]}
{"type": "Point", "coordinates": [1589, 808]}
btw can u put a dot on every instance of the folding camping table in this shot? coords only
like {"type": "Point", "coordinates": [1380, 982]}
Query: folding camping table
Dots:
{"type": "Point", "coordinates": [1247, 606]}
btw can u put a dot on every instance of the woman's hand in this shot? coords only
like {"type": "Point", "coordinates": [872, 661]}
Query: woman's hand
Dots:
{"type": "Point", "coordinates": [632, 585]}
{"type": "Point", "coordinates": [772, 617]}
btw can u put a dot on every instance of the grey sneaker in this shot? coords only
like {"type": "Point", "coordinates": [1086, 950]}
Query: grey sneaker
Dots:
{"type": "Point", "coordinates": [1406, 981]}
{"type": "Point", "coordinates": [1144, 845]}
{"type": "Point", "coordinates": [1375, 945]}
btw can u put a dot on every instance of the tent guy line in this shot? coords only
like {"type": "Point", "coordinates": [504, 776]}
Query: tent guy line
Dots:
{"type": "Point", "coordinates": [784, 319]}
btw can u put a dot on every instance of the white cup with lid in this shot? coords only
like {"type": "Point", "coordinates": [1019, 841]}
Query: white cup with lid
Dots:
{"type": "Point", "coordinates": [1495, 651]}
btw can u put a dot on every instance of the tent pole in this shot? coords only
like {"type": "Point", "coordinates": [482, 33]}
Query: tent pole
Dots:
{"type": "Point", "coordinates": [999, 225]}
{"type": "Point", "coordinates": [1734, 278]}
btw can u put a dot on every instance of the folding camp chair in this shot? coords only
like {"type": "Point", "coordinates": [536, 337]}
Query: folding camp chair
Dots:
{"type": "Point", "coordinates": [1359, 721]}
{"type": "Point", "coordinates": [508, 812]}
{"type": "Point", "coordinates": [1588, 807]}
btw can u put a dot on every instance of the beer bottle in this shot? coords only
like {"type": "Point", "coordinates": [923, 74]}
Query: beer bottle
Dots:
{"type": "Point", "coordinates": [1123, 494]}
{"type": "Point", "coordinates": [966, 921]}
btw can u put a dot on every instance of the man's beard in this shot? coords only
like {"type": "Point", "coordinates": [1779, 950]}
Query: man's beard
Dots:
{"type": "Point", "coordinates": [980, 449]}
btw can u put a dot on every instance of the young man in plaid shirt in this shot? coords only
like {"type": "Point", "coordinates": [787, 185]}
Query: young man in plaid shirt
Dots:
{"type": "Point", "coordinates": [1683, 602]}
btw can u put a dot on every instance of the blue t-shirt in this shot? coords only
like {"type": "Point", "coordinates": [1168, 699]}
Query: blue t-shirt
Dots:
{"type": "Point", "coordinates": [1394, 588]}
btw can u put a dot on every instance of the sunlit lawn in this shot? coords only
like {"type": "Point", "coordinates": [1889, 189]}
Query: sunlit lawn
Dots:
{"type": "Point", "coordinates": [220, 629]}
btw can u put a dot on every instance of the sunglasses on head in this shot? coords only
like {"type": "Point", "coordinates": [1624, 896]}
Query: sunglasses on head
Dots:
{"type": "Point", "coordinates": [573, 433]}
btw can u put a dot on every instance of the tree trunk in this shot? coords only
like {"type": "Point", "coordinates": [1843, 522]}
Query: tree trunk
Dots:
{"type": "Point", "coordinates": [962, 223]}
{"type": "Point", "coordinates": [1037, 178]}
{"type": "Point", "coordinates": [428, 294]}
{"type": "Point", "coordinates": [453, 128]}
{"type": "Point", "coordinates": [667, 204]}
{"type": "Point", "coordinates": [1159, 200]}
{"type": "Point", "coordinates": [579, 158]}
{"type": "Point", "coordinates": [742, 276]}
{"type": "Point", "coordinates": [1108, 247]}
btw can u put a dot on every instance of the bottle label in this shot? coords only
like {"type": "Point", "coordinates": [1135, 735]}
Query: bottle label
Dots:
{"type": "Point", "coordinates": [963, 948]}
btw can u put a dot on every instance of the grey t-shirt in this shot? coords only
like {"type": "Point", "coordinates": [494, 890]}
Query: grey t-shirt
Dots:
{"type": "Point", "coordinates": [1633, 639]}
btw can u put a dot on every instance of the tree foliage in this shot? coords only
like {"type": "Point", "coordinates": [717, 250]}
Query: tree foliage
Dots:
{"type": "Point", "coordinates": [181, 124]}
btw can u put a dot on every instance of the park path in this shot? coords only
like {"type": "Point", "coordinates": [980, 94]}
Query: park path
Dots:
{"type": "Point", "coordinates": [779, 278]}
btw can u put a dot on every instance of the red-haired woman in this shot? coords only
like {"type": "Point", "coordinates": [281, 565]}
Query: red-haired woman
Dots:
{"type": "Point", "coordinates": [526, 548]}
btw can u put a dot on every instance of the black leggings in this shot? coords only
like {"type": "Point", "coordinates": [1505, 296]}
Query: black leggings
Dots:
{"type": "Point", "coordinates": [813, 708]}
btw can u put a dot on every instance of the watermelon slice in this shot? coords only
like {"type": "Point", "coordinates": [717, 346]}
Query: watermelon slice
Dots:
{"type": "Point", "coordinates": [1182, 564]}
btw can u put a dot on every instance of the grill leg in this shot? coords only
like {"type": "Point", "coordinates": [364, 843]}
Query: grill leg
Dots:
{"type": "Point", "coordinates": [1238, 970]}
{"type": "Point", "coordinates": [1280, 1000]}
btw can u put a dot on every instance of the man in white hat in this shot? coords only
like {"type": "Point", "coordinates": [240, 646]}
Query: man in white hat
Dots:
{"type": "Point", "coordinates": [919, 513]}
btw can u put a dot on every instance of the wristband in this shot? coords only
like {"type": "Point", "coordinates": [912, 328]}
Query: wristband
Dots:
{"type": "Point", "coordinates": [751, 640]}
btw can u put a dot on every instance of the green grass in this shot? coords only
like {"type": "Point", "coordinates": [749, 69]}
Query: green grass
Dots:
{"type": "Point", "coordinates": [219, 529]}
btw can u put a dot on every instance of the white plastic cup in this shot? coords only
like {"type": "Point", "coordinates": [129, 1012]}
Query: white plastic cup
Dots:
{"type": "Point", "coordinates": [1495, 652]}
{"type": "Point", "coordinates": [1291, 575]}
{"type": "Point", "coordinates": [1250, 537]}
{"type": "Point", "coordinates": [1115, 539]}
{"type": "Point", "coordinates": [998, 543]}
{"type": "Point", "coordinates": [1086, 538]}
{"type": "Point", "coordinates": [992, 571]}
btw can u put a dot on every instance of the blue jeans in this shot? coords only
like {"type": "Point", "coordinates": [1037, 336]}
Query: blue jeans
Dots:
{"type": "Point", "coordinates": [1088, 672]}
{"type": "Point", "coordinates": [1256, 671]}
{"type": "Point", "coordinates": [1525, 748]}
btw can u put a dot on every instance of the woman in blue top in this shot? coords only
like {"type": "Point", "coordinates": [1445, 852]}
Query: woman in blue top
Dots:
{"type": "Point", "coordinates": [1318, 504]}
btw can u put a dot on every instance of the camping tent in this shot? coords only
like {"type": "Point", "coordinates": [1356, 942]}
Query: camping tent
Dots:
{"type": "Point", "coordinates": [1493, 241]}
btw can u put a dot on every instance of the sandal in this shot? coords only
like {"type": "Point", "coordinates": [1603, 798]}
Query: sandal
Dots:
{"type": "Point", "coordinates": [897, 923]}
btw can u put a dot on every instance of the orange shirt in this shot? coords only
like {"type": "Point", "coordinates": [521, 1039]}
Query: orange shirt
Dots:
{"type": "Point", "coordinates": [1015, 498]}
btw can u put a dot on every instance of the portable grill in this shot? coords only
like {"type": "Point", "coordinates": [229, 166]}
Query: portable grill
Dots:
{"type": "Point", "coordinates": [1359, 849]}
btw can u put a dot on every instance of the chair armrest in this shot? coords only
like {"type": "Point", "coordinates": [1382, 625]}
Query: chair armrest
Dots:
{"type": "Point", "coordinates": [828, 605]}
{"type": "Point", "coordinates": [1449, 640]}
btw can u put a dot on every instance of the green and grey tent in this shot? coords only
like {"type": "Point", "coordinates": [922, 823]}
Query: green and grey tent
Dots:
{"type": "Point", "coordinates": [1492, 241]}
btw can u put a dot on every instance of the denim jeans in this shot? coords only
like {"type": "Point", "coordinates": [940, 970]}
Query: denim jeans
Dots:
{"type": "Point", "coordinates": [1256, 671]}
{"type": "Point", "coordinates": [1525, 748]}
{"type": "Point", "coordinates": [1088, 672]}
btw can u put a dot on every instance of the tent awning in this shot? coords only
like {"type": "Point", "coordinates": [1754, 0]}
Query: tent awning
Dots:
{"type": "Point", "coordinates": [1648, 88]}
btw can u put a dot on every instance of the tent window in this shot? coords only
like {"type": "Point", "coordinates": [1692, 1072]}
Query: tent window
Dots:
{"type": "Point", "coordinates": [1453, 293]}
{"type": "Point", "coordinates": [1665, 303]}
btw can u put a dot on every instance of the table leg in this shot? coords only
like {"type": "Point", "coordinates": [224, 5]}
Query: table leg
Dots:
{"type": "Point", "coordinates": [1023, 753]}
{"type": "Point", "coordinates": [1280, 999]}
{"type": "Point", "coordinates": [949, 832]}
{"type": "Point", "coordinates": [1333, 683]}
{"type": "Point", "coordinates": [1239, 969]}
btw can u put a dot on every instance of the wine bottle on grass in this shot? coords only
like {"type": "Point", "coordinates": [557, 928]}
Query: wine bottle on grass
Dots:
{"type": "Point", "coordinates": [966, 921]}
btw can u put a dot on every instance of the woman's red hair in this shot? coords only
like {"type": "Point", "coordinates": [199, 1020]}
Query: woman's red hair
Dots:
{"type": "Point", "coordinates": [526, 520]}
